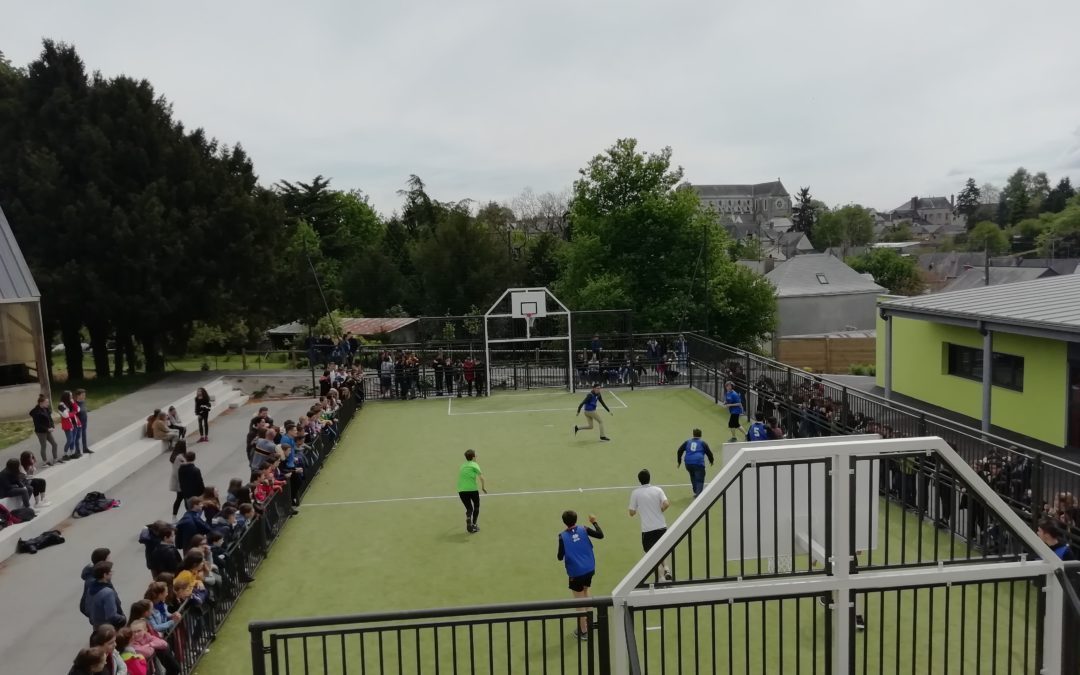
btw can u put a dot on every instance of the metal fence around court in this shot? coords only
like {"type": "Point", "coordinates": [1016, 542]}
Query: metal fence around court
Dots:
{"type": "Point", "coordinates": [190, 637]}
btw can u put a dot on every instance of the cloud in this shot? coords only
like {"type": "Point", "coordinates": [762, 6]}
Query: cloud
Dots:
{"type": "Point", "coordinates": [483, 98]}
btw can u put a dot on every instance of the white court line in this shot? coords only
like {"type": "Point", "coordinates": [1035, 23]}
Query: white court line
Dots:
{"type": "Point", "coordinates": [527, 410]}
{"type": "Point", "coordinates": [492, 494]}
{"type": "Point", "coordinates": [616, 397]}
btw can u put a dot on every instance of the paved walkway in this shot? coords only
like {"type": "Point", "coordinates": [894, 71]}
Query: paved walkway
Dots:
{"type": "Point", "coordinates": [113, 417]}
{"type": "Point", "coordinates": [39, 594]}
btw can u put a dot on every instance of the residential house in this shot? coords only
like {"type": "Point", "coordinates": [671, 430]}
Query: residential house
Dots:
{"type": "Point", "coordinates": [1007, 356]}
{"type": "Point", "coordinates": [393, 330]}
{"type": "Point", "coordinates": [818, 293]}
{"type": "Point", "coordinates": [934, 211]}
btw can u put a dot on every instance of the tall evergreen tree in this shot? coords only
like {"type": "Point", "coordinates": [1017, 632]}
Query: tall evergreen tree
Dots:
{"type": "Point", "coordinates": [968, 201]}
{"type": "Point", "coordinates": [1059, 197]}
{"type": "Point", "coordinates": [804, 215]}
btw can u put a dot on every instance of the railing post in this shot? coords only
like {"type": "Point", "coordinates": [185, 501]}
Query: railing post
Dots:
{"type": "Point", "coordinates": [258, 653]}
{"type": "Point", "coordinates": [716, 382]}
{"type": "Point", "coordinates": [603, 641]}
{"type": "Point", "coordinates": [243, 358]}
{"type": "Point", "coordinates": [845, 414]}
{"type": "Point", "coordinates": [922, 424]}
{"type": "Point", "coordinates": [1038, 490]}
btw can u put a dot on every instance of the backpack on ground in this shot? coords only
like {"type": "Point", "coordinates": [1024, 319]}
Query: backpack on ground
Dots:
{"type": "Point", "coordinates": [43, 540]}
{"type": "Point", "coordinates": [93, 502]}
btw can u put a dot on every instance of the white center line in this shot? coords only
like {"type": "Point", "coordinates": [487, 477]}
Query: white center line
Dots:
{"type": "Point", "coordinates": [492, 494]}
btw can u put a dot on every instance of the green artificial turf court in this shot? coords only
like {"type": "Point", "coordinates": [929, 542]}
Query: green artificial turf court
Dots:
{"type": "Point", "coordinates": [382, 528]}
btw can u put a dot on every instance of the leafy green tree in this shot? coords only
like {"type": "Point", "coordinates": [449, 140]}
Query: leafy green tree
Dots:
{"type": "Point", "coordinates": [1061, 237]}
{"type": "Point", "coordinates": [805, 213]}
{"type": "Point", "coordinates": [1059, 196]}
{"type": "Point", "coordinates": [848, 226]}
{"type": "Point", "coordinates": [747, 248]}
{"type": "Point", "coordinates": [542, 259]}
{"type": "Point", "coordinates": [968, 201]}
{"type": "Point", "coordinates": [898, 232]}
{"type": "Point", "coordinates": [987, 236]}
{"type": "Point", "coordinates": [1016, 197]}
{"type": "Point", "coordinates": [639, 243]}
{"type": "Point", "coordinates": [898, 273]}
{"type": "Point", "coordinates": [1039, 190]}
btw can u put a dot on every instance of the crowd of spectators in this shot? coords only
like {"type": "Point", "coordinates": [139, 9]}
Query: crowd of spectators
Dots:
{"type": "Point", "coordinates": [195, 561]}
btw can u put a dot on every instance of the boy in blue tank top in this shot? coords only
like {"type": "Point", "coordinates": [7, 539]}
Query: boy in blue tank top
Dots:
{"type": "Point", "coordinates": [576, 553]}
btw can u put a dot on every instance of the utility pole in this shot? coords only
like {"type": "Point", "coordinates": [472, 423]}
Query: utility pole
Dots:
{"type": "Point", "coordinates": [705, 261]}
{"type": "Point", "coordinates": [986, 263]}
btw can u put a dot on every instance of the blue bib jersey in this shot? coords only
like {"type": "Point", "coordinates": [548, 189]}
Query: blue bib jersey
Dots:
{"type": "Point", "coordinates": [578, 552]}
{"type": "Point", "coordinates": [732, 397]}
{"type": "Point", "coordinates": [695, 452]}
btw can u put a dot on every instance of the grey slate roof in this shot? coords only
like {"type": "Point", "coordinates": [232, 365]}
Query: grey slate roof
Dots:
{"type": "Point", "coordinates": [1051, 303]}
{"type": "Point", "coordinates": [771, 189]}
{"type": "Point", "coordinates": [16, 281]}
{"type": "Point", "coordinates": [925, 203]}
{"type": "Point", "coordinates": [799, 277]}
{"type": "Point", "coordinates": [1059, 265]}
{"type": "Point", "coordinates": [976, 277]}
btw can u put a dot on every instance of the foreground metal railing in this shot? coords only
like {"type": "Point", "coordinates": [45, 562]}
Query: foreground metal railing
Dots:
{"type": "Point", "coordinates": [190, 637]}
{"type": "Point", "coordinates": [477, 639]}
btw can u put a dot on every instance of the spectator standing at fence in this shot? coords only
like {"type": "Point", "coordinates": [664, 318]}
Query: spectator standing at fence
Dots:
{"type": "Point", "coordinates": [682, 351]}
{"type": "Point", "coordinates": [89, 661]}
{"type": "Point", "coordinates": [189, 477]}
{"type": "Point", "coordinates": [69, 422]}
{"type": "Point", "coordinates": [41, 414]}
{"type": "Point", "coordinates": [87, 576]}
{"type": "Point", "coordinates": [589, 404]}
{"type": "Point", "coordinates": [694, 452]}
{"type": "Point", "coordinates": [468, 372]}
{"type": "Point", "coordinates": [105, 637]}
{"type": "Point", "coordinates": [175, 423]}
{"type": "Point", "coordinates": [469, 484]}
{"type": "Point", "coordinates": [649, 502]}
{"type": "Point", "coordinates": [84, 418]}
{"type": "Point", "coordinates": [202, 412]}
{"type": "Point", "coordinates": [191, 523]}
{"type": "Point", "coordinates": [595, 346]}
{"type": "Point", "coordinates": [165, 557]}
{"type": "Point", "coordinates": [386, 376]}
{"type": "Point", "coordinates": [1050, 533]}
{"type": "Point", "coordinates": [576, 553]}
{"type": "Point", "coordinates": [103, 603]}
{"type": "Point", "coordinates": [734, 404]}
{"type": "Point", "coordinates": [437, 365]}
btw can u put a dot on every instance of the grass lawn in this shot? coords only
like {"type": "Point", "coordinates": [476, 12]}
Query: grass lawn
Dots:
{"type": "Point", "coordinates": [98, 392]}
{"type": "Point", "coordinates": [382, 529]}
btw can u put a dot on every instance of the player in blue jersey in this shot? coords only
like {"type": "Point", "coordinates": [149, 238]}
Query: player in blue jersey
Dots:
{"type": "Point", "coordinates": [757, 431]}
{"type": "Point", "coordinates": [591, 399]}
{"type": "Point", "coordinates": [696, 452]}
{"type": "Point", "coordinates": [576, 552]}
{"type": "Point", "coordinates": [734, 404]}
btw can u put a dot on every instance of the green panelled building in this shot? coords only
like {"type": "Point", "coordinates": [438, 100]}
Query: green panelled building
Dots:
{"type": "Point", "coordinates": [1008, 355]}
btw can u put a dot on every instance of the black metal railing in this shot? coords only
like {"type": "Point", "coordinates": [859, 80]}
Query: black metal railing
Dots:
{"type": "Point", "coordinates": [526, 637]}
{"type": "Point", "coordinates": [191, 636]}
{"type": "Point", "coordinates": [804, 404]}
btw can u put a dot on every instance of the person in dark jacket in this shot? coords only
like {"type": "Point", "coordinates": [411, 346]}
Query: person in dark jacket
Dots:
{"type": "Point", "coordinates": [89, 661]}
{"type": "Point", "coordinates": [151, 536]}
{"type": "Point", "coordinates": [203, 406]}
{"type": "Point", "coordinates": [191, 523]}
{"type": "Point", "coordinates": [165, 557]}
{"type": "Point", "coordinates": [98, 555]}
{"type": "Point", "coordinates": [13, 483]}
{"type": "Point", "coordinates": [103, 602]}
{"type": "Point", "coordinates": [41, 414]}
{"type": "Point", "coordinates": [189, 477]}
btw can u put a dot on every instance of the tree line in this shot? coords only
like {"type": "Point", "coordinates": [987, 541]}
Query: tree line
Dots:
{"type": "Point", "coordinates": [146, 236]}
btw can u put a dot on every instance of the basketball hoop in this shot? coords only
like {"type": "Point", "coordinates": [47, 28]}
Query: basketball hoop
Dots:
{"type": "Point", "coordinates": [530, 317]}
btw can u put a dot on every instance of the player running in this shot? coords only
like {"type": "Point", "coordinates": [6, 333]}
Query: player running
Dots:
{"type": "Point", "coordinates": [650, 502]}
{"type": "Point", "coordinates": [468, 476]}
{"type": "Point", "coordinates": [576, 552]}
{"type": "Point", "coordinates": [733, 402]}
{"type": "Point", "coordinates": [696, 451]}
{"type": "Point", "coordinates": [591, 399]}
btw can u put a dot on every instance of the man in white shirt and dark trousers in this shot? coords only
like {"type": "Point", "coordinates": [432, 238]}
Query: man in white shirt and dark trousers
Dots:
{"type": "Point", "coordinates": [650, 502]}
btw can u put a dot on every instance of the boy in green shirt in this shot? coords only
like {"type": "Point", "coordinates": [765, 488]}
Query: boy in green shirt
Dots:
{"type": "Point", "coordinates": [468, 475]}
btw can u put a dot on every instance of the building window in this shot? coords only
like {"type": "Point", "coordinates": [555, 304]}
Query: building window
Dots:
{"type": "Point", "coordinates": [822, 279]}
{"type": "Point", "coordinates": [1007, 371]}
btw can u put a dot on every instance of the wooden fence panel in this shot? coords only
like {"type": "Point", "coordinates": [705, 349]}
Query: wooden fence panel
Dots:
{"type": "Point", "coordinates": [825, 354]}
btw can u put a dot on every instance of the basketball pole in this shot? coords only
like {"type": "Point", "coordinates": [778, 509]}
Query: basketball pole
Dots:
{"type": "Point", "coordinates": [569, 350]}
{"type": "Point", "coordinates": [487, 359]}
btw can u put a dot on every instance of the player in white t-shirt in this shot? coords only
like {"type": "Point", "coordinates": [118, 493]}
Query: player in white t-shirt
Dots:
{"type": "Point", "coordinates": [650, 502]}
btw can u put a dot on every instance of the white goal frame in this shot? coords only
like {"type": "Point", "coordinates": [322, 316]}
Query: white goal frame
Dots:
{"type": "Point", "coordinates": [563, 310]}
{"type": "Point", "coordinates": [841, 583]}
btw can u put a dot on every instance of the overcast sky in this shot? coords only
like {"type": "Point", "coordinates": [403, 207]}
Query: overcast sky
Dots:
{"type": "Point", "coordinates": [868, 101]}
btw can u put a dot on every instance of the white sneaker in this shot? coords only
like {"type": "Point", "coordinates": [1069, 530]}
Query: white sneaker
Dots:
{"type": "Point", "coordinates": [43, 503]}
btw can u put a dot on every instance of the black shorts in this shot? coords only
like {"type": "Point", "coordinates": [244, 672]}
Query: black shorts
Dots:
{"type": "Point", "coordinates": [581, 583]}
{"type": "Point", "coordinates": [733, 421]}
{"type": "Point", "coordinates": [649, 539]}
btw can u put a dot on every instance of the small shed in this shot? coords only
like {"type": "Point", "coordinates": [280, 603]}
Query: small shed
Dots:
{"type": "Point", "coordinates": [24, 371]}
{"type": "Point", "coordinates": [818, 293]}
